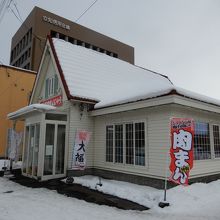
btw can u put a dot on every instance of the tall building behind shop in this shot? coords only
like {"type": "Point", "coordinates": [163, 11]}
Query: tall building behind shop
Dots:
{"type": "Point", "coordinates": [28, 42]}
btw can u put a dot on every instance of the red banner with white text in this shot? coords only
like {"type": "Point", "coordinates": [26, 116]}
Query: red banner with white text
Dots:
{"type": "Point", "coordinates": [181, 151]}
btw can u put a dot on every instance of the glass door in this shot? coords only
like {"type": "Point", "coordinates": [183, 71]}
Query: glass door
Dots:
{"type": "Point", "coordinates": [60, 149]}
{"type": "Point", "coordinates": [54, 152]}
{"type": "Point", "coordinates": [31, 149]}
{"type": "Point", "coordinates": [49, 149]}
{"type": "Point", "coordinates": [36, 150]}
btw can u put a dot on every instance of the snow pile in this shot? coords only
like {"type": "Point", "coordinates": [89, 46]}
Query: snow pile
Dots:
{"type": "Point", "coordinates": [143, 195]}
{"type": "Point", "coordinates": [196, 202]}
{"type": "Point", "coordinates": [198, 199]}
{"type": "Point", "coordinates": [6, 163]}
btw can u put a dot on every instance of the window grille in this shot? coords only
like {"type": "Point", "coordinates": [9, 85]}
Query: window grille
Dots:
{"type": "Point", "coordinates": [216, 139]}
{"type": "Point", "coordinates": [129, 143]}
{"type": "Point", "coordinates": [202, 149]}
{"type": "Point", "coordinates": [109, 143]}
{"type": "Point", "coordinates": [119, 143]}
{"type": "Point", "coordinates": [139, 144]}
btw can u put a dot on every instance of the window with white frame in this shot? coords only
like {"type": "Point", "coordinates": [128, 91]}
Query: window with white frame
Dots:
{"type": "Point", "coordinates": [126, 141]}
{"type": "Point", "coordinates": [51, 86]}
{"type": "Point", "coordinates": [139, 144]}
{"type": "Point", "coordinates": [118, 143]}
{"type": "Point", "coordinates": [109, 143]}
{"type": "Point", "coordinates": [216, 140]}
{"type": "Point", "coordinates": [129, 137]}
{"type": "Point", "coordinates": [202, 148]}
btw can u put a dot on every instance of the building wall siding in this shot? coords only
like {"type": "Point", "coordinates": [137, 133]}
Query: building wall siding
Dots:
{"type": "Point", "coordinates": [78, 121]}
{"type": "Point", "coordinates": [157, 140]}
{"type": "Point", "coordinates": [201, 167]}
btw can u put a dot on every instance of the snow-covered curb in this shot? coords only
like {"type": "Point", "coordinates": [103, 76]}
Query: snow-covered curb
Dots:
{"type": "Point", "coordinates": [191, 200]}
{"type": "Point", "coordinates": [142, 195]}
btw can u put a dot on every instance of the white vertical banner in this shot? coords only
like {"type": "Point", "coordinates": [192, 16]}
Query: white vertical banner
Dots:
{"type": "Point", "coordinates": [79, 149]}
{"type": "Point", "coordinates": [14, 141]}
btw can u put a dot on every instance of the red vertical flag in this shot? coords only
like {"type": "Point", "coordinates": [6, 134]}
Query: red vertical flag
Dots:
{"type": "Point", "coordinates": [181, 151]}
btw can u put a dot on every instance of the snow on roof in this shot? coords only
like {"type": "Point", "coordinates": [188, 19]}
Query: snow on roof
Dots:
{"type": "Point", "coordinates": [197, 96]}
{"type": "Point", "coordinates": [96, 76]}
{"type": "Point", "coordinates": [17, 68]}
{"type": "Point", "coordinates": [110, 81]}
{"type": "Point", "coordinates": [30, 108]}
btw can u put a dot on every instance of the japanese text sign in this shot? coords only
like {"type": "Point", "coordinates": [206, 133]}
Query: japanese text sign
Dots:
{"type": "Point", "coordinates": [181, 151]}
{"type": "Point", "coordinates": [55, 101]}
{"type": "Point", "coordinates": [79, 151]}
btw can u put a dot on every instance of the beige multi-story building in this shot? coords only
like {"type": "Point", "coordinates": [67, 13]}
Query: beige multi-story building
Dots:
{"type": "Point", "coordinates": [15, 89]}
{"type": "Point", "coordinates": [28, 42]}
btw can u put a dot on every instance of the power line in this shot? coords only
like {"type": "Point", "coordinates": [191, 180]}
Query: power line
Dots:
{"type": "Point", "coordinates": [19, 18]}
{"type": "Point", "coordinates": [15, 15]}
{"type": "Point", "coordinates": [3, 7]}
{"type": "Point", "coordinates": [17, 10]}
{"type": "Point", "coordinates": [86, 10]}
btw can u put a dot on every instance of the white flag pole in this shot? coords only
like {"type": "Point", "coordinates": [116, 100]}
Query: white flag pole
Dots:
{"type": "Point", "coordinates": [166, 177]}
{"type": "Point", "coordinates": [164, 203]}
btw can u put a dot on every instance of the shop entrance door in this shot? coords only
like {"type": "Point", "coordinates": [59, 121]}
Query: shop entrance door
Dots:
{"type": "Point", "coordinates": [54, 151]}
{"type": "Point", "coordinates": [31, 150]}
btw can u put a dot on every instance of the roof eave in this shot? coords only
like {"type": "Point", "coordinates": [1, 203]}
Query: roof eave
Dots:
{"type": "Point", "coordinates": [69, 96]}
{"type": "Point", "coordinates": [84, 100]}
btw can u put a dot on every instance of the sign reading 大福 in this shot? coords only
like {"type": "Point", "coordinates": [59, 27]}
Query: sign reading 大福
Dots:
{"type": "Point", "coordinates": [55, 22]}
{"type": "Point", "coordinates": [181, 151]}
{"type": "Point", "coordinates": [79, 150]}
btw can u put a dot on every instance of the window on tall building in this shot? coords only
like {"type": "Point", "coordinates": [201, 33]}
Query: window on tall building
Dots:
{"type": "Point", "coordinates": [79, 42]}
{"type": "Point", "coordinates": [12, 55]}
{"type": "Point", "coordinates": [70, 39]}
{"type": "Point", "coordinates": [62, 36]}
{"type": "Point", "coordinates": [30, 35]}
{"type": "Point", "coordinates": [29, 52]}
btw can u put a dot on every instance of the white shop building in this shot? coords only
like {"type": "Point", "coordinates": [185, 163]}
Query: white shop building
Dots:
{"type": "Point", "coordinates": [126, 108]}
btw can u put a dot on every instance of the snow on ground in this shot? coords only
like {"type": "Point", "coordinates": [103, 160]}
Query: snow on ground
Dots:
{"type": "Point", "coordinates": [6, 163]}
{"type": "Point", "coordinates": [197, 202]}
{"type": "Point", "coordinates": [144, 195]}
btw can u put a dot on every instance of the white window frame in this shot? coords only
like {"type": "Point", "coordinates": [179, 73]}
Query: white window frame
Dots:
{"type": "Point", "coordinates": [213, 142]}
{"type": "Point", "coordinates": [210, 142]}
{"type": "Point", "coordinates": [51, 86]}
{"type": "Point", "coordinates": [124, 142]}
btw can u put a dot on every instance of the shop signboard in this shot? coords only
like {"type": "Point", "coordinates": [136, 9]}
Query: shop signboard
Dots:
{"type": "Point", "coordinates": [55, 101]}
{"type": "Point", "coordinates": [55, 22]}
{"type": "Point", "coordinates": [181, 151]}
{"type": "Point", "coordinates": [79, 150]}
